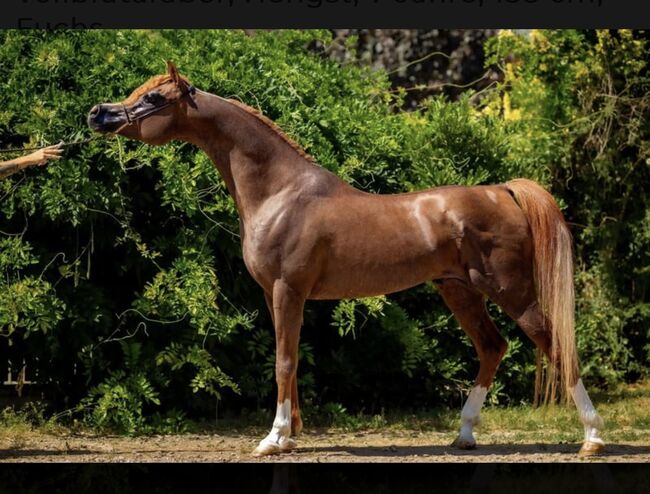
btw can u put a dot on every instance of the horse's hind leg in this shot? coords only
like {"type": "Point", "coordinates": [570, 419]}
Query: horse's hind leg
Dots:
{"type": "Point", "coordinates": [468, 306]}
{"type": "Point", "coordinates": [520, 303]}
{"type": "Point", "coordinates": [535, 325]}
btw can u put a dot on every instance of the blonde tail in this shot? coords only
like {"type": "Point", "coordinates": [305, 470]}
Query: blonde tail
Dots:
{"type": "Point", "coordinates": [553, 268]}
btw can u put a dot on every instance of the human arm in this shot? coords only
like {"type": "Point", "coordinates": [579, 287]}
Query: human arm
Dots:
{"type": "Point", "coordinates": [40, 157]}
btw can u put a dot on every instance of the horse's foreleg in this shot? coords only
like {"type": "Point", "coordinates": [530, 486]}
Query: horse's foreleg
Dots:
{"type": "Point", "coordinates": [468, 307]}
{"type": "Point", "coordinates": [296, 420]}
{"type": "Point", "coordinates": [287, 316]}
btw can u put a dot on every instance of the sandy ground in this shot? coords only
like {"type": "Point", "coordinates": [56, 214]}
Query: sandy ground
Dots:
{"type": "Point", "coordinates": [313, 447]}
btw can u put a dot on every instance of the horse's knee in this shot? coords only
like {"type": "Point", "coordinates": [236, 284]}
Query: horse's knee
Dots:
{"type": "Point", "coordinates": [285, 368]}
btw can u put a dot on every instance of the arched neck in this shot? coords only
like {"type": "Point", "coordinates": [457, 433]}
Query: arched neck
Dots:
{"type": "Point", "coordinates": [254, 159]}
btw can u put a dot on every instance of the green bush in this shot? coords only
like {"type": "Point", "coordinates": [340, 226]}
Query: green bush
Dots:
{"type": "Point", "coordinates": [123, 266]}
{"type": "Point", "coordinates": [578, 103]}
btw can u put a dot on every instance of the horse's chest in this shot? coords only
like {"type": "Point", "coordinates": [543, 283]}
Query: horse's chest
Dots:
{"type": "Point", "coordinates": [260, 251]}
{"type": "Point", "coordinates": [253, 250]}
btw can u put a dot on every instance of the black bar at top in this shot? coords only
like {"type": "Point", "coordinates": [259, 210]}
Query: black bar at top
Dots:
{"type": "Point", "coordinates": [264, 14]}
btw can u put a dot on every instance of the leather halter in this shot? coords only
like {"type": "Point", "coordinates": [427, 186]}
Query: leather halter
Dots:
{"type": "Point", "coordinates": [191, 91]}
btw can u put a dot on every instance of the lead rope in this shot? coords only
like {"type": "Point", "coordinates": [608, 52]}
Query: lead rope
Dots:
{"type": "Point", "coordinates": [191, 90]}
{"type": "Point", "coordinates": [68, 144]}
{"type": "Point", "coordinates": [63, 145]}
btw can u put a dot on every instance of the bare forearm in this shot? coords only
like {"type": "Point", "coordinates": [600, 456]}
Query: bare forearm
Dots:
{"type": "Point", "coordinates": [40, 157]}
{"type": "Point", "coordinates": [10, 167]}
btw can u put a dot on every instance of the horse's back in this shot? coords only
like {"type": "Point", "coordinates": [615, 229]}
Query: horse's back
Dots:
{"type": "Point", "coordinates": [489, 208]}
{"type": "Point", "coordinates": [372, 243]}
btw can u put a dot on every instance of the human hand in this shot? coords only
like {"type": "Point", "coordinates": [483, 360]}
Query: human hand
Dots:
{"type": "Point", "coordinates": [43, 156]}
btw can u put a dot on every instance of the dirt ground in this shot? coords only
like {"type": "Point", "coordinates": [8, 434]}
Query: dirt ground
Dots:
{"type": "Point", "coordinates": [313, 447]}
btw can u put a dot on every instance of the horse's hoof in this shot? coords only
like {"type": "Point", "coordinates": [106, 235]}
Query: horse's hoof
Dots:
{"type": "Point", "coordinates": [591, 449]}
{"type": "Point", "coordinates": [462, 443]}
{"type": "Point", "coordinates": [268, 448]}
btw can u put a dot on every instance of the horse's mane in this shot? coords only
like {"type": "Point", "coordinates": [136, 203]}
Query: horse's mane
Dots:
{"type": "Point", "coordinates": [274, 127]}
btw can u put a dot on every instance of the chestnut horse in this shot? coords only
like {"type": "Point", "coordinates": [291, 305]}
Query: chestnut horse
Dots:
{"type": "Point", "coordinates": [307, 235]}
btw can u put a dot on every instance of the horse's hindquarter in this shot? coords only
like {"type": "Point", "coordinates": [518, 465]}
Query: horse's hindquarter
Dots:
{"type": "Point", "coordinates": [378, 244]}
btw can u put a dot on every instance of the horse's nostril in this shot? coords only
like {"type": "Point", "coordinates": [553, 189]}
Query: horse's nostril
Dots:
{"type": "Point", "coordinates": [95, 110]}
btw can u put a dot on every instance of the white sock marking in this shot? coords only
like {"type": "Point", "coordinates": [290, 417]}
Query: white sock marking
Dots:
{"type": "Point", "coordinates": [281, 425]}
{"type": "Point", "coordinates": [588, 414]}
{"type": "Point", "coordinates": [471, 413]}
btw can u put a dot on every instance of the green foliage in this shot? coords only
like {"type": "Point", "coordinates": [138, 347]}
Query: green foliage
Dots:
{"type": "Point", "coordinates": [458, 146]}
{"type": "Point", "coordinates": [130, 267]}
{"type": "Point", "coordinates": [208, 378]}
{"type": "Point", "coordinates": [29, 303]}
{"type": "Point", "coordinates": [579, 102]}
{"type": "Point", "coordinates": [344, 317]}
{"type": "Point", "coordinates": [189, 289]}
{"type": "Point", "coordinates": [118, 403]}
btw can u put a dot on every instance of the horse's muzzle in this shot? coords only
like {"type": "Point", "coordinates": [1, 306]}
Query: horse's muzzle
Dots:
{"type": "Point", "coordinates": [106, 118]}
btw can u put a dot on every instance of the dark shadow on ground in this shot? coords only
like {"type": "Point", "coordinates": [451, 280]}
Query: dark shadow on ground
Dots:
{"type": "Point", "coordinates": [26, 453]}
{"type": "Point", "coordinates": [482, 450]}
{"type": "Point", "coordinates": [388, 452]}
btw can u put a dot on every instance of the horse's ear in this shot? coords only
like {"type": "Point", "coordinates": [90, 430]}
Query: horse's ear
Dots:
{"type": "Point", "coordinates": [173, 71]}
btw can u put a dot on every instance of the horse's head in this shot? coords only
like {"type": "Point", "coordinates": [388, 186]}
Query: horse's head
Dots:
{"type": "Point", "coordinates": [151, 114]}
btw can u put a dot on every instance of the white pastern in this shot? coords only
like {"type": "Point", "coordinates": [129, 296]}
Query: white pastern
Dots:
{"type": "Point", "coordinates": [470, 415]}
{"type": "Point", "coordinates": [279, 438]}
{"type": "Point", "coordinates": [588, 414]}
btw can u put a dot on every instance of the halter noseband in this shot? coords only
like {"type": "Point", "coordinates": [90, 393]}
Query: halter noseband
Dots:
{"type": "Point", "coordinates": [191, 91]}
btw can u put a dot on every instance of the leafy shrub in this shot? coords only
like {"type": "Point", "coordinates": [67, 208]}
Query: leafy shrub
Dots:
{"type": "Point", "coordinates": [579, 102]}
{"type": "Point", "coordinates": [127, 283]}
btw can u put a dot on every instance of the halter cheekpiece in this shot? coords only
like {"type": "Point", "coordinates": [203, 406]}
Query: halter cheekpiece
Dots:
{"type": "Point", "coordinates": [191, 91]}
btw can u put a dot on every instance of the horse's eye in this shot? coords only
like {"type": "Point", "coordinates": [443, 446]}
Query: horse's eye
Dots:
{"type": "Point", "coordinates": [153, 98]}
